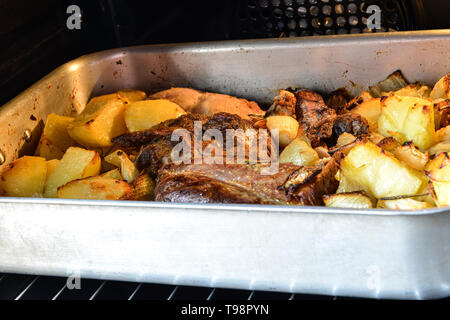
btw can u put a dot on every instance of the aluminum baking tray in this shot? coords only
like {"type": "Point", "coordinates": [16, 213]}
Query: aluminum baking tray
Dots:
{"type": "Point", "coordinates": [316, 250]}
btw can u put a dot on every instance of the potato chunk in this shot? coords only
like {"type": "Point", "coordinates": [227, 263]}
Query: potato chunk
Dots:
{"type": "Point", "coordinates": [377, 172]}
{"type": "Point", "coordinates": [438, 170]}
{"type": "Point", "coordinates": [127, 168]}
{"type": "Point", "coordinates": [76, 164]}
{"type": "Point", "coordinates": [287, 128]}
{"type": "Point", "coordinates": [348, 200]}
{"type": "Point", "coordinates": [371, 111]}
{"type": "Point", "coordinates": [25, 177]}
{"type": "Point", "coordinates": [143, 115]}
{"type": "Point", "coordinates": [100, 121]}
{"type": "Point", "coordinates": [300, 153]}
{"type": "Point", "coordinates": [408, 119]}
{"type": "Point", "coordinates": [51, 166]}
{"type": "Point", "coordinates": [113, 174]}
{"type": "Point", "coordinates": [55, 139]}
{"type": "Point", "coordinates": [95, 188]}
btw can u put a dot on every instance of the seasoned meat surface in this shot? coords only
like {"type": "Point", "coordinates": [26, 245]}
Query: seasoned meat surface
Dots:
{"type": "Point", "coordinates": [156, 143]}
{"type": "Point", "coordinates": [350, 122]}
{"type": "Point", "coordinates": [208, 103]}
{"type": "Point", "coordinates": [242, 183]}
{"type": "Point", "coordinates": [315, 118]}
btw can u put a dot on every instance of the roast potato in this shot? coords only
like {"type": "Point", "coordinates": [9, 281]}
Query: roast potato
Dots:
{"type": "Point", "coordinates": [408, 119]}
{"type": "Point", "coordinates": [143, 115]}
{"type": "Point", "coordinates": [370, 110]}
{"type": "Point", "coordinates": [348, 200]}
{"type": "Point", "coordinates": [51, 166]}
{"type": "Point", "coordinates": [95, 188]}
{"type": "Point", "coordinates": [24, 177]}
{"type": "Point", "coordinates": [113, 174]}
{"type": "Point", "coordinates": [369, 168]}
{"type": "Point", "coordinates": [55, 139]}
{"type": "Point", "coordinates": [101, 120]}
{"type": "Point", "coordinates": [77, 163]}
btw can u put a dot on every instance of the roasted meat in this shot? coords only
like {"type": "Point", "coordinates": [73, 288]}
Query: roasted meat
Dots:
{"type": "Point", "coordinates": [156, 144]}
{"type": "Point", "coordinates": [283, 105]}
{"type": "Point", "coordinates": [208, 103]}
{"type": "Point", "coordinates": [351, 123]}
{"type": "Point", "coordinates": [315, 118]}
{"type": "Point", "coordinates": [242, 183]}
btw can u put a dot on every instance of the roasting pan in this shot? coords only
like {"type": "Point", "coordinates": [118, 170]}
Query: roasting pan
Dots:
{"type": "Point", "coordinates": [316, 250]}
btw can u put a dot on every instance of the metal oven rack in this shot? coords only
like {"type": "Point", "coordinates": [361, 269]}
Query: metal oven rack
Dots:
{"type": "Point", "coordinates": [33, 287]}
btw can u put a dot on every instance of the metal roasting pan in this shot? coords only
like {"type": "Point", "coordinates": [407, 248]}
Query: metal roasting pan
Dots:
{"type": "Point", "coordinates": [316, 250]}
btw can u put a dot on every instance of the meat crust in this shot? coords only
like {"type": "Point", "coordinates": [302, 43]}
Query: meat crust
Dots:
{"type": "Point", "coordinates": [314, 117]}
{"type": "Point", "coordinates": [235, 183]}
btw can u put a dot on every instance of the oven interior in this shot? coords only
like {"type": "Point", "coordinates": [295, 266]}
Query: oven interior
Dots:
{"type": "Point", "coordinates": [35, 40]}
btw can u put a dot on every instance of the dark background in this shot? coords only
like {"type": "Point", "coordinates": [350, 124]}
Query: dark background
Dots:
{"type": "Point", "coordinates": [35, 40]}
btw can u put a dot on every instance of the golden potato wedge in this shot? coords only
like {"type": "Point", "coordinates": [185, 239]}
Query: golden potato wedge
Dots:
{"type": "Point", "coordinates": [438, 169]}
{"type": "Point", "coordinates": [300, 153]}
{"type": "Point", "coordinates": [95, 188]}
{"type": "Point", "coordinates": [51, 166]}
{"type": "Point", "coordinates": [403, 204]}
{"type": "Point", "coordinates": [77, 163]}
{"type": "Point", "coordinates": [132, 95]}
{"type": "Point", "coordinates": [356, 101]}
{"type": "Point", "coordinates": [412, 90]}
{"type": "Point", "coordinates": [441, 89]}
{"type": "Point", "coordinates": [409, 154]}
{"type": "Point", "coordinates": [25, 177]}
{"type": "Point", "coordinates": [408, 119]}
{"type": "Point", "coordinates": [101, 120]}
{"type": "Point", "coordinates": [369, 168]}
{"type": "Point", "coordinates": [371, 111]}
{"type": "Point", "coordinates": [48, 150]}
{"type": "Point", "coordinates": [55, 139]}
{"type": "Point", "coordinates": [113, 174]}
{"type": "Point", "coordinates": [120, 159]}
{"type": "Point", "coordinates": [348, 200]}
{"type": "Point", "coordinates": [347, 185]}
{"type": "Point", "coordinates": [143, 115]}
{"type": "Point", "coordinates": [287, 128]}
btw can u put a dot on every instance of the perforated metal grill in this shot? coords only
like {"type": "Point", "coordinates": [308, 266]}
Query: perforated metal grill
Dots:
{"type": "Point", "coordinates": [291, 18]}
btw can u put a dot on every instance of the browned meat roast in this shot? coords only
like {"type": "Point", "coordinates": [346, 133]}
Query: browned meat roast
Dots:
{"type": "Point", "coordinates": [156, 143]}
{"type": "Point", "coordinates": [242, 183]}
{"type": "Point", "coordinates": [315, 118]}
{"type": "Point", "coordinates": [208, 103]}
{"type": "Point", "coordinates": [352, 123]}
